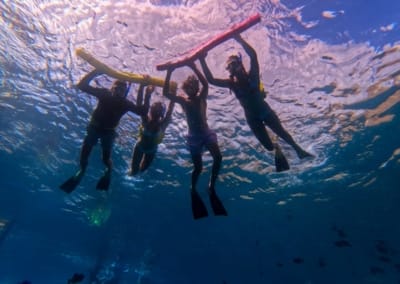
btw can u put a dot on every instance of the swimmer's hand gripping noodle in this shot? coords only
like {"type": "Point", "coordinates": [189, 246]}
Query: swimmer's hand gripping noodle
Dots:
{"type": "Point", "coordinates": [122, 75]}
{"type": "Point", "coordinates": [196, 52]}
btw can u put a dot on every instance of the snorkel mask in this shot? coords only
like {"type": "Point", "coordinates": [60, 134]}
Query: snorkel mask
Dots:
{"type": "Point", "coordinates": [120, 89]}
{"type": "Point", "coordinates": [157, 110]}
{"type": "Point", "coordinates": [233, 61]}
{"type": "Point", "coordinates": [191, 85]}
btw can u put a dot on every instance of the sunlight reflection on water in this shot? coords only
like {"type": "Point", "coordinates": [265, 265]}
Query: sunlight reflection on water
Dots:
{"type": "Point", "coordinates": [324, 94]}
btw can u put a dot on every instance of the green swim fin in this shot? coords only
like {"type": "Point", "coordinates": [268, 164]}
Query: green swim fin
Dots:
{"type": "Point", "coordinates": [104, 181]}
{"type": "Point", "coordinates": [5, 227]}
{"type": "Point", "coordinates": [70, 184]}
{"type": "Point", "coordinates": [217, 206]}
{"type": "Point", "coordinates": [199, 210]}
{"type": "Point", "coordinates": [281, 163]}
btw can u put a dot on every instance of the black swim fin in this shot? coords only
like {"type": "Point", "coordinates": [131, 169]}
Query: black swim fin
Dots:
{"type": "Point", "coordinates": [217, 205]}
{"type": "Point", "coordinates": [70, 184]}
{"type": "Point", "coordinates": [104, 181]}
{"type": "Point", "coordinates": [199, 210]}
{"type": "Point", "coordinates": [76, 278]}
{"type": "Point", "coordinates": [281, 163]}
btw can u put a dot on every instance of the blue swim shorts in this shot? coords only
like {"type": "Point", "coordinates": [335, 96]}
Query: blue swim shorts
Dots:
{"type": "Point", "coordinates": [197, 141]}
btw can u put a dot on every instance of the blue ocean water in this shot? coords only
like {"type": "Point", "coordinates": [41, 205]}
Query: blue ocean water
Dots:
{"type": "Point", "coordinates": [331, 69]}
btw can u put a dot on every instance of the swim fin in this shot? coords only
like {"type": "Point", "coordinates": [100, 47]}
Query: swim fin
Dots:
{"type": "Point", "coordinates": [217, 205]}
{"type": "Point", "coordinates": [76, 278]}
{"type": "Point", "coordinates": [104, 181]}
{"type": "Point", "coordinates": [70, 184]}
{"type": "Point", "coordinates": [5, 228]}
{"type": "Point", "coordinates": [199, 210]}
{"type": "Point", "coordinates": [281, 163]}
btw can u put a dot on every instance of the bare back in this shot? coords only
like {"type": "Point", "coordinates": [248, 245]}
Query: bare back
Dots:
{"type": "Point", "coordinates": [196, 114]}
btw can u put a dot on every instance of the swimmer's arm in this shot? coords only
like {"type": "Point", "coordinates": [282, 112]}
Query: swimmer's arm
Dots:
{"type": "Point", "coordinates": [209, 76]}
{"type": "Point", "coordinates": [166, 90]}
{"type": "Point", "coordinates": [139, 110]}
{"type": "Point", "coordinates": [254, 66]}
{"type": "Point", "coordinates": [168, 116]}
{"type": "Point", "coordinates": [147, 97]}
{"type": "Point", "coordinates": [202, 79]}
{"type": "Point", "coordinates": [139, 100]}
{"type": "Point", "coordinates": [84, 84]}
{"type": "Point", "coordinates": [149, 88]}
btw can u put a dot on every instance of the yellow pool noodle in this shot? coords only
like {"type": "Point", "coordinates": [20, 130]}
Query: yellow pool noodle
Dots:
{"type": "Point", "coordinates": [122, 75]}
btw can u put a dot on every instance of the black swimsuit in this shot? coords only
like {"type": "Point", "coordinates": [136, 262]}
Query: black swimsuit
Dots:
{"type": "Point", "coordinates": [247, 94]}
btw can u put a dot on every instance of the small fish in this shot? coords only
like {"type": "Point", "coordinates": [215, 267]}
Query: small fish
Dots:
{"type": "Point", "coordinates": [342, 243]}
{"type": "Point", "coordinates": [298, 260]}
{"type": "Point", "coordinates": [397, 266]}
{"type": "Point", "coordinates": [381, 247]}
{"type": "Point", "coordinates": [376, 270]}
{"type": "Point", "coordinates": [341, 233]}
{"type": "Point", "coordinates": [289, 216]}
{"type": "Point", "coordinates": [76, 278]}
{"type": "Point", "coordinates": [321, 262]}
{"type": "Point", "coordinates": [385, 259]}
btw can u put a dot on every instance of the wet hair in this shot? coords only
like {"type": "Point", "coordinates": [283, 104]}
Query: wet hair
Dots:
{"type": "Point", "coordinates": [191, 82]}
{"type": "Point", "coordinates": [234, 58]}
{"type": "Point", "coordinates": [120, 83]}
{"type": "Point", "coordinates": [157, 109]}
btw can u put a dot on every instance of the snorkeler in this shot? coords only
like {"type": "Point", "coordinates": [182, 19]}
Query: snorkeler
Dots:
{"type": "Point", "coordinates": [194, 104]}
{"type": "Point", "coordinates": [112, 105]}
{"type": "Point", "coordinates": [246, 87]}
{"type": "Point", "coordinates": [152, 130]}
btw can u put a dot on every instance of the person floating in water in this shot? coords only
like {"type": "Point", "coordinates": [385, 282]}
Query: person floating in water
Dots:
{"type": "Point", "coordinates": [246, 87]}
{"type": "Point", "coordinates": [112, 105]}
{"type": "Point", "coordinates": [200, 135]}
{"type": "Point", "coordinates": [152, 130]}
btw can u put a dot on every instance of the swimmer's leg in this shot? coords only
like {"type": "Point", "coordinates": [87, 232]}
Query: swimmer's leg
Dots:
{"type": "Point", "coordinates": [275, 124]}
{"type": "Point", "coordinates": [146, 161]}
{"type": "Point", "coordinates": [199, 210]}
{"type": "Point", "coordinates": [136, 159]}
{"type": "Point", "coordinates": [216, 204]}
{"type": "Point", "coordinates": [259, 130]}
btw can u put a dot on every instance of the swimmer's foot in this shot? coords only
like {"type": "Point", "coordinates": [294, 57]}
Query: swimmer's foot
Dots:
{"type": "Point", "coordinates": [216, 204]}
{"type": "Point", "coordinates": [199, 210]}
{"type": "Point", "coordinates": [281, 163]}
{"type": "Point", "coordinates": [104, 181]}
{"type": "Point", "coordinates": [302, 154]}
{"type": "Point", "coordinates": [70, 184]}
